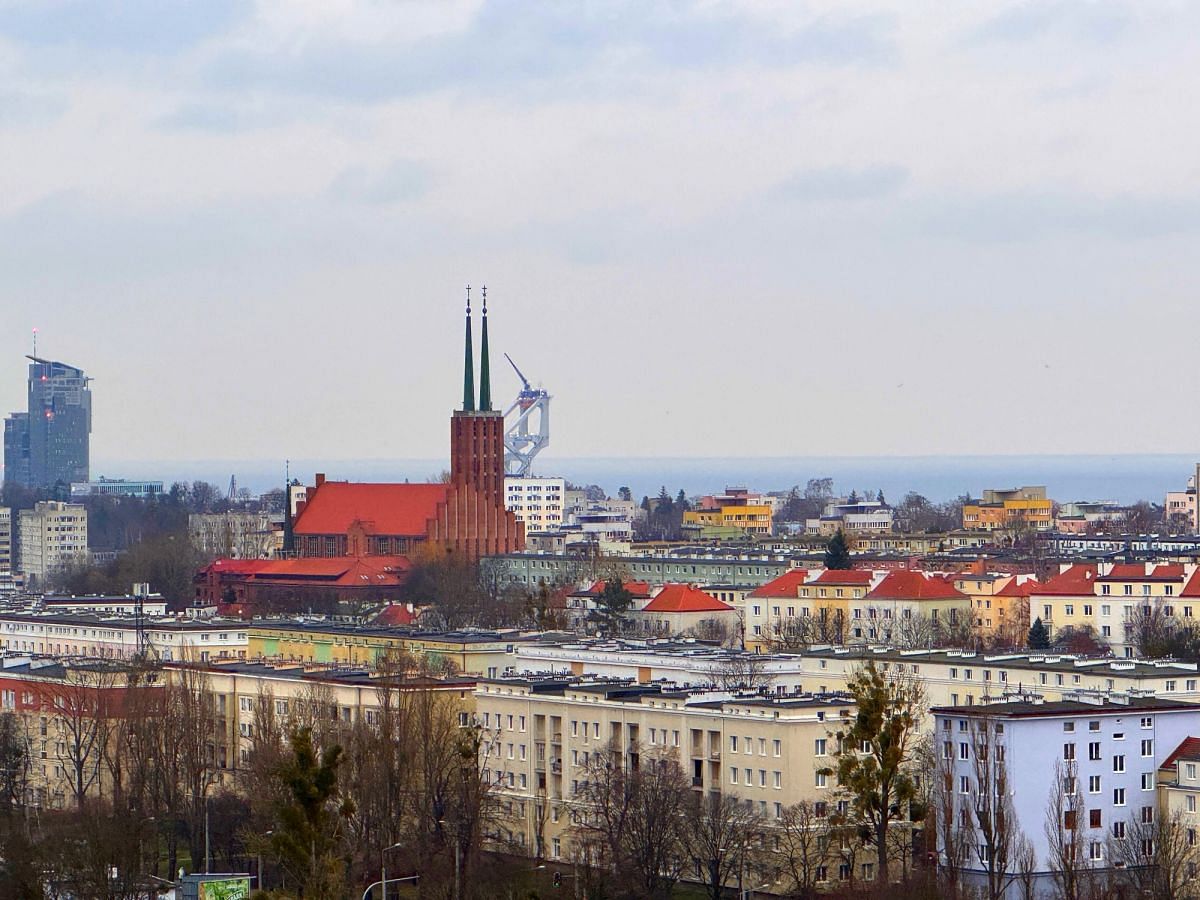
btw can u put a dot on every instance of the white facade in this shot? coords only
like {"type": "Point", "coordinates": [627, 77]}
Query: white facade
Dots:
{"type": "Point", "coordinates": [6, 532]}
{"type": "Point", "coordinates": [168, 639]}
{"type": "Point", "coordinates": [52, 535]}
{"type": "Point", "coordinates": [538, 502]}
{"type": "Point", "coordinates": [237, 535]}
{"type": "Point", "coordinates": [1112, 745]}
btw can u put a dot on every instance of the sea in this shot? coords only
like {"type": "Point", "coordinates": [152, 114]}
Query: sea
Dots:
{"type": "Point", "coordinates": [1124, 478]}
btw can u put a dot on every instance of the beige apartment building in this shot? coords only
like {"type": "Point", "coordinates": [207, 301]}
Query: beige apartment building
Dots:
{"type": "Point", "coordinates": [52, 535]}
{"type": "Point", "coordinates": [542, 731]}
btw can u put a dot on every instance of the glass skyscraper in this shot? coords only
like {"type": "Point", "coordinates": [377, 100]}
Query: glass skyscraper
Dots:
{"type": "Point", "coordinates": [49, 444]}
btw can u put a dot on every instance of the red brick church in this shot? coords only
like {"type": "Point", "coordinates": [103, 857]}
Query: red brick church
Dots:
{"type": "Point", "coordinates": [465, 515]}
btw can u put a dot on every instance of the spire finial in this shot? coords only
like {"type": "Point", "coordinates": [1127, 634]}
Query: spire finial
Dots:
{"type": "Point", "coordinates": [468, 363]}
{"type": "Point", "coordinates": [485, 369]}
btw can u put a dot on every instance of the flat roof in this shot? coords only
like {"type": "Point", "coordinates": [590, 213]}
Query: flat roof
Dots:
{"type": "Point", "coordinates": [1033, 709]}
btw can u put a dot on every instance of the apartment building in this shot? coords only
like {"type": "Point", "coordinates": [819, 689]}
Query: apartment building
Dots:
{"type": "Point", "coordinates": [51, 535]}
{"type": "Point", "coordinates": [736, 513]}
{"type": "Point", "coordinates": [235, 535]}
{"type": "Point", "coordinates": [1110, 599]}
{"type": "Point", "coordinates": [543, 731]}
{"type": "Point", "coordinates": [6, 540]}
{"type": "Point", "coordinates": [1105, 751]}
{"type": "Point", "coordinates": [1181, 507]}
{"type": "Point", "coordinates": [1020, 508]}
{"type": "Point", "coordinates": [84, 634]}
{"type": "Point", "coordinates": [999, 604]}
{"type": "Point", "coordinates": [538, 502]}
{"type": "Point", "coordinates": [858, 517]}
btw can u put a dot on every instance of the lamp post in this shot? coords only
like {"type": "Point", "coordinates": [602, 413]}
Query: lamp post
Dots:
{"type": "Point", "coordinates": [383, 869]}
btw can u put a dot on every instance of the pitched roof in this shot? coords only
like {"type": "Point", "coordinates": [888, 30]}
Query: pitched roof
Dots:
{"type": "Point", "coordinates": [1076, 579]}
{"type": "Point", "coordinates": [1017, 588]}
{"type": "Point", "coordinates": [639, 589]}
{"type": "Point", "coordinates": [349, 571]}
{"type": "Point", "coordinates": [1137, 572]}
{"type": "Point", "coordinates": [844, 576]}
{"type": "Point", "coordinates": [395, 614]}
{"type": "Point", "coordinates": [227, 566]}
{"type": "Point", "coordinates": [1189, 748]}
{"type": "Point", "coordinates": [683, 598]}
{"type": "Point", "coordinates": [391, 509]}
{"type": "Point", "coordinates": [905, 584]}
{"type": "Point", "coordinates": [786, 585]}
{"type": "Point", "coordinates": [1192, 588]}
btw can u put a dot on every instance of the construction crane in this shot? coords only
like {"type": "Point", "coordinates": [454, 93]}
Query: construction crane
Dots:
{"type": "Point", "coordinates": [521, 444]}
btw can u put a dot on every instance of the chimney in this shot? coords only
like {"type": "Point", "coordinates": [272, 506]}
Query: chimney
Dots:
{"type": "Point", "coordinates": [320, 478]}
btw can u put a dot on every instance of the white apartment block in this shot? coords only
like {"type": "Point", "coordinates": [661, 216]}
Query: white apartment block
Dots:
{"type": "Point", "coordinates": [1109, 749]}
{"type": "Point", "coordinates": [236, 535]}
{"type": "Point", "coordinates": [538, 502]}
{"type": "Point", "coordinates": [51, 535]}
{"type": "Point", "coordinates": [116, 637]}
{"type": "Point", "coordinates": [542, 731]}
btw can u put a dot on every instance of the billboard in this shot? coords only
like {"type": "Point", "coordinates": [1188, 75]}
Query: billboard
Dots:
{"type": "Point", "coordinates": [225, 889]}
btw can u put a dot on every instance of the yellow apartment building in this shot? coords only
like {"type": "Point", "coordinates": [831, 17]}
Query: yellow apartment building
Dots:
{"type": "Point", "coordinates": [542, 732]}
{"type": "Point", "coordinates": [1013, 508]}
{"type": "Point", "coordinates": [477, 653]}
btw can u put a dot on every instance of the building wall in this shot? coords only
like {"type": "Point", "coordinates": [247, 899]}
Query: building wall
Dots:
{"type": "Point", "coordinates": [6, 539]}
{"type": "Point", "coordinates": [67, 635]}
{"type": "Point", "coordinates": [238, 535]}
{"type": "Point", "coordinates": [538, 502]}
{"type": "Point", "coordinates": [52, 535]}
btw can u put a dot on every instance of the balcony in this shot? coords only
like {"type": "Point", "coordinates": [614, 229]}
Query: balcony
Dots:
{"type": "Point", "coordinates": [714, 753]}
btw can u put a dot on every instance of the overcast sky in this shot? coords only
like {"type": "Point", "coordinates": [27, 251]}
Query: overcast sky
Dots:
{"type": "Point", "coordinates": [707, 228]}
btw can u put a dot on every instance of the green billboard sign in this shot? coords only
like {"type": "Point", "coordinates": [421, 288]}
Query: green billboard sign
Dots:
{"type": "Point", "coordinates": [225, 889]}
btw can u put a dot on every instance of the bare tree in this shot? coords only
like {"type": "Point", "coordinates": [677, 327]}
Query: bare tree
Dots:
{"type": "Point", "coordinates": [719, 837]}
{"type": "Point", "coordinates": [991, 806]}
{"type": "Point", "coordinates": [1158, 857]}
{"type": "Point", "coordinates": [740, 671]}
{"type": "Point", "coordinates": [1025, 861]}
{"type": "Point", "coordinates": [802, 853]}
{"type": "Point", "coordinates": [1065, 812]}
{"type": "Point", "coordinates": [952, 821]}
{"type": "Point", "coordinates": [631, 819]}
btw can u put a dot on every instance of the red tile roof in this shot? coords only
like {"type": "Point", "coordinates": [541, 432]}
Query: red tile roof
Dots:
{"type": "Point", "coordinates": [1023, 589]}
{"type": "Point", "coordinates": [349, 571]}
{"type": "Point", "coordinates": [683, 598]}
{"type": "Point", "coordinates": [395, 614]}
{"type": "Point", "coordinates": [1137, 572]}
{"type": "Point", "coordinates": [1189, 748]}
{"type": "Point", "coordinates": [786, 585]}
{"type": "Point", "coordinates": [226, 566]}
{"type": "Point", "coordinates": [639, 589]}
{"type": "Point", "coordinates": [908, 585]}
{"type": "Point", "coordinates": [384, 509]}
{"type": "Point", "coordinates": [844, 576]}
{"type": "Point", "coordinates": [1192, 589]}
{"type": "Point", "coordinates": [1076, 579]}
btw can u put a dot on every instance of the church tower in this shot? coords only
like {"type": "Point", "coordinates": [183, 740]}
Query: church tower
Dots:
{"type": "Point", "coordinates": [473, 519]}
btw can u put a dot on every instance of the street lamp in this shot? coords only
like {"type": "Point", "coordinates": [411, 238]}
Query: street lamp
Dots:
{"type": "Point", "coordinates": [383, 869]}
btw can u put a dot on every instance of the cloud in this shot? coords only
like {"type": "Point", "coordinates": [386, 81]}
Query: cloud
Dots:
{"type": "Point", "coordinates": [18, 107]}
{"type": "Point", "coordinates": [132, 26]}
{"type": "Point", "coordinates": [509, 44]}
{"type": "Point", "coordinates": [1095, 22]}
{"type": "Point", "coordinates": [402, 180]}
{"type": "Point", "coordinates": [841, 184]}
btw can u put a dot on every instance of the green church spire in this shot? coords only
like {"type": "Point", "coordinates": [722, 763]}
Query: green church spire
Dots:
{"type": "Point", "coordinates": [469, 364]}
{"type": "Point", "coordinates": [485, 368]}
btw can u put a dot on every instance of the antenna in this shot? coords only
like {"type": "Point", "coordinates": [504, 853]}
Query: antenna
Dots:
{"type": "Point", "coordinates": [35, 331]}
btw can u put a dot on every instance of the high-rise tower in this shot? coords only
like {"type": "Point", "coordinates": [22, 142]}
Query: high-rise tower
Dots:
{"type": "Point", "coordinates": [50, 444]}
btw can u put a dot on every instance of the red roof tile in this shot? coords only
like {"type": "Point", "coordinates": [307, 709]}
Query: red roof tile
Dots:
{"type": "Point", "coordinates": [1189, 748]}
{"type": "Point", "coordinates": [844, 576]}
{"type": "Point", "coordinates": [1076, 579]}
{"type": "Point", "coordinates": [786, 585]}
{"type": "Point", "coordinates": [364, 571]}
{"type": "Point", "coordinates": [225, 566]}
{"type": "Point", "coordinates": [385, 509]}
{"type": "Point", "coordinates": [395, 614]}
{"type": "Point", "coordinates": [1192, 589]}
{"type": "Point", "coordinates": [1137, 572]}
{"type": "Point", "coordinates": [639, 589]}
{"type": "Point", "coordinates": [908, 585]}
{"type": "Point", "coordinates": [682, 598]}
{"type": "Point", "coordinates": [1023, 589]}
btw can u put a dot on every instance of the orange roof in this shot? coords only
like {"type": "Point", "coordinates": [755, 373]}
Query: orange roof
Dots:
{"type": "Point", "coordinates": [1189, 748]}
{"type": "Point", "coordinates": [844, 576]}
{"type": "Point", "coordinates": [225, 566]}
{"type": "Point", "coordinates": [362, 571]}
{"type": "Point", "coordinates": [786, 585]}
{"type": "Point", "coordinates": [395, 614]}
{"type": "Point", "coordinates": [908, 585]}
{"type": "Point", "coordinates": [1137, 572]}
{"type": "Point", "coordinates": [1076, 579]}
{"type": "Point", "coordinates": [391, 509]}
{"type": "Point", "coordinates": [1023, 589]}
{"type": "Point", "coordinates": [683, 598]}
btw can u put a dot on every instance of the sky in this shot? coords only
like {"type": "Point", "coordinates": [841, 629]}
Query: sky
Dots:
{"type": "Point", "coordinates": [707, 228]}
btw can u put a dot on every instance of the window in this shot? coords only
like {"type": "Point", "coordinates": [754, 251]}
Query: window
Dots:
{"type": "Point", "coordinates": [1147, 815]}
{"type": "Point", "coordinates": [1118, 830]}
{"type": "Point", "coordinates": [1119, 762]}
{"type": "Point", "coordinates": [964, 750]}
{"type": "Point", "coordinates": [779, 781]}
{"type": "Point", "coordinates": [1191, 803]}
{"type": "Point", "coordinates": [1094, 819]}
{"type": "Point", "coordinates": [1068, 727]}
{"type": "Point", "coordinates": [1093, 784]}
{"type": "Point", "coordinates": [964, 784]}
{"type": "Point", "coordinates": [733, 775]}
{"type": "Point", "coordinates": [1147, 722]}
{"type": "Point", "coordinates": [818, 747]}
{"type": "Point", "coordinates": [1095, 848]}
{"type": "Point", "coordinates": [1189, 770]}
{"type": "Point", "coordinates": [1094, 750]}
{"type": "Point", "coordinates": [1068, 752]}
{"type": "Point", "coordinates": [1118, 796]}
{"type": "Point", "coordinates": [733, 743]}
{"type": "Point", "coordinates": [1147, 781]}
{"type": "Point", "coordinates": [778, 746]}
{"type": "Point", "coordinates": [1147, 747]}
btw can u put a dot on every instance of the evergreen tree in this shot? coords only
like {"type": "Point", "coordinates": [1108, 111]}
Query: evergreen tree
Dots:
{"type": "Point", "coordinates": [837, 552]}
{"type": "Point", "coordinates": [879, 497]}
{"type": "Point", "coordinates": [853, 498]}
{"type": "Point", "coordinates": [612, 604]}
{"type": "Point", "coordinates": [624, 493]}
{"type": "Point", "coordinates": [1039, 636]}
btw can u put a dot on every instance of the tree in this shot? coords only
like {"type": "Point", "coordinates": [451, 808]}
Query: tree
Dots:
{"type": "Point", "coordinates": [611, 606]}
{"type": "Point", "coordinates": [631, 820]}
{"type": "Point", "coordinates": [993, 819]}
{"type": "Point", "coordinates": [1065, 815]}
{"type": "Point", "coordinates": [624, 493]}
{"type": "Point", "coordinates": [1158, 857]}
{"type": "Point", "coordinates": [853, 498]}
{"type": "Point", "coordinates": [875, 754]}
{"type": "Point", "coordinates": [14, 763]}
{"type": "Point", "coordinates": [739, 671]}
{"type": "Point", "coordinates": [804, 849]}
{"type": "Point", "coordinates": [720, 834]}
{"type": "Point", "coordinates": [309, 820]}
{"type": "Point", "coordinates": [837, 552]}
{"type": "Point", "coordinates": [1039, 636]}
